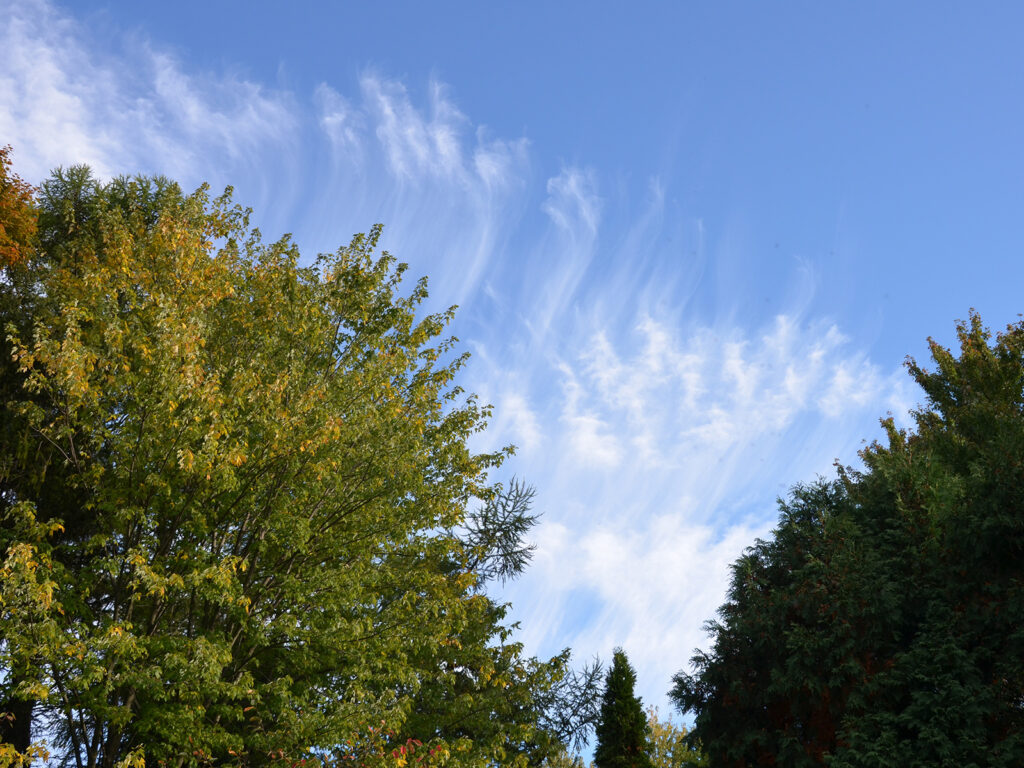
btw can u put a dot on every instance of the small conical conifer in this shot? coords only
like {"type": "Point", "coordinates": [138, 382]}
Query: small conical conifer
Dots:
{"type": "Point", "coordinates": [622, 736]}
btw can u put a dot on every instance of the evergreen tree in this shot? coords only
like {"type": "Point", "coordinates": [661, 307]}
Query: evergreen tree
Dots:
{"type": "Point", "coordinates": [622, 733]}
{"type": "Point", "coordinates": [881, 623]}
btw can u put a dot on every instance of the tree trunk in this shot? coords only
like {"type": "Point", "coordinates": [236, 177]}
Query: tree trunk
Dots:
{"type": "Point", "coordinates": [16, 723]}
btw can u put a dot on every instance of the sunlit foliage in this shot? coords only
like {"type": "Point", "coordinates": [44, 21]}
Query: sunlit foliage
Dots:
{"type": "Point", "coordinates": [231, 484]}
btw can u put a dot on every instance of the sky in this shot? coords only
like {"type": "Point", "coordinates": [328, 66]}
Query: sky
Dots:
{"type": "Point", "coordinates": [691, 243]}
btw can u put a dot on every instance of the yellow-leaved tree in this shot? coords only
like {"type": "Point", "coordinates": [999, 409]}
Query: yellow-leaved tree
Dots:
{"type": "Point", "coordinates": [668, 747]}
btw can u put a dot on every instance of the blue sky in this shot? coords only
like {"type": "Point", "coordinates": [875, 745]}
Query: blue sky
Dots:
{"type": "Point", "coordinates": [691, 243]}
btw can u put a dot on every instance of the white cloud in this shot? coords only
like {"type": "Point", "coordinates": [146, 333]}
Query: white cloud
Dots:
{"type": "Point", "coordinates": [573, 203]}
{"type": "Point", "coordinates": [674, 441]}
{"type": "Point", "coordinates": [340, 121]}
{"type": "Point", "coordinates": [558, 264]}
{"type": "Point", "coordinates": [440, 183]}
{"type": "Point", "coordinates": [448, 191]}
{"type": "Point", "coordinates": [416, 144]}
{"type": "Point", "coordinates": [587, 434]}
{"type": "Point", "coordinates": [710, 391]}
{"type": "Point", "coordinates": [655, 580]}
{"type": "Point", "coordinates": [516, 419]}
{"type": "Point", "coordinates": [65, 99]}
{"type": "Point", "coordinates": [434, 145]}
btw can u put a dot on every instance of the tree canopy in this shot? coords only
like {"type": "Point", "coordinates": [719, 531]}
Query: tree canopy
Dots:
{"type": "Point", "coordinates": [667, 743]}
{"type": "Point", "coordinates": [231, 487]}
{"type": "Point", "coordinates": [17, 213]}
{"type": "Point", "coordinates": [881, 624]}
{"type": "Point", "coordinates": [622, 732]}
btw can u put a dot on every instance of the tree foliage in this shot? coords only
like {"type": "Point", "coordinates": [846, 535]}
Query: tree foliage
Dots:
{"type": "Point", "coordinates": [495, 532]}
{"type": "Point", "coordinates": [668, 746]}
{"type": "Point", "coordinates": [881, 623]}
{"type": "Point", "coordinates": [228, 485]}
{"type": "Point", "coordinates": [17, 214]}
{"type": "Point", "coordinates": [571, 706]}
{"type": "Point", "coordinates": [622, 731]}
{"type": "Point", "coordinates": [563, 758]}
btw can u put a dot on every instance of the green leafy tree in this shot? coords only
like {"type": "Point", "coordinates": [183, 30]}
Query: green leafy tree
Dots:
{"type": "Point", "coordinates": [668, 745]}
{"type": "Point", "coordinates": [772, 686]}
{"type": "Point", "coordinates": [228, 485]}
{"type": "Point", "coordinates": [27, 622]}
{"type": "Point", "coordinates": [512, 709]}
{"type": "Point", "coordinates": [881, 623]}
{"type": "Point", "coordinates": [24, 587]}
{"type": "Point", "coordinates": [622, 733]}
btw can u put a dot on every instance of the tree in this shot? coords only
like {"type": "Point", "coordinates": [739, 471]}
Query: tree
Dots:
{"type": "Point", "coordinates": [512, 709]}
{"type": "Point", "coordinates": [17, 214]}
{"type": "Point", "coordinates": [27, 614]}
{"type": "Point", "coordinates": [772, 687]}
{"type": "Point", "coordinates": [495, 533]}
{"type": "Point", "coordinates": [563, 759]}
{"type": "Point", "coordinates": [622, 730]}
{"type": "Point", "coordinates": [24, 588]}
{"type": "Point", "coordinates": [668, 746]}
{"type": "Point", "coordinates": [571, 707]}
{"type": "Point", "coordinates": [880, 625]}
{"type": "Point", "coordinates": [228, 484]}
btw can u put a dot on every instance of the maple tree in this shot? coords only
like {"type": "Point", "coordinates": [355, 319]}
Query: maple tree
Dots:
{"type": "Point", "coordinates": [667, 743]}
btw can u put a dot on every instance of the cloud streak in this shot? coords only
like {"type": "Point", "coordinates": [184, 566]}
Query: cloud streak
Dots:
{"type": "Point", "coordinates": [133, 110]}
{"type": "Point", "coordinates": [437, 180]}
{"type": "Point", "coordinates": [659, 462]}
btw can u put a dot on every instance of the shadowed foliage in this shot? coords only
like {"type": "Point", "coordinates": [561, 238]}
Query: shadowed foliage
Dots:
{"type": "Point", "coordinates": [622, 728]}
{"type": "Point", "coordinates": [882, 622]}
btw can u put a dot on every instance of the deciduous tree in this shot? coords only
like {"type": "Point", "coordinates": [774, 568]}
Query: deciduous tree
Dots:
{"type": "Point", "coordinates": [668, 745]}
{"type": "Point", "coordinates": [229, 483]}
{"type": "Point", "coordinates": [17, 214]}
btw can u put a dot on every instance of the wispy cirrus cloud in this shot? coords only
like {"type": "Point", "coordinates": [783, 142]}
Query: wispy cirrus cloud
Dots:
{"type": "Point", "coordinates": [663, 453]}
{"type": "Point", "coordinates": [417, 144]}
{"type": "Point", "coordinates": [342, 122]}
{"type": "Point", "coordinates": [130, 108]}
{"type": "Point", "coordinates": [574, 205]}
{"type": "Point", "coordinates": [323, 165]}
{"type": "Point", "coordinates": [439, 181]}
{"type": "Point", "coordinates": [561, 261]}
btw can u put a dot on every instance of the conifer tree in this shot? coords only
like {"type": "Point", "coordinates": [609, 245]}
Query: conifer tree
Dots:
{"type": "Point", "coordinates": [622, 733]}
{"type": "Point", "coordinates": [880, 624]}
